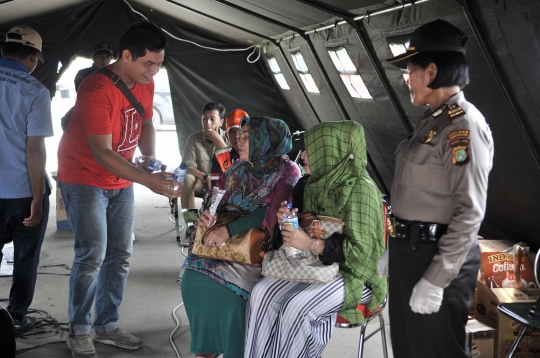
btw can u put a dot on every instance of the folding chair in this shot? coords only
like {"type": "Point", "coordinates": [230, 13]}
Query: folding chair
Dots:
{"type": "Point", "coordinates": [526, 314]}
{"type": "Point", "coordinates": [370, 315]}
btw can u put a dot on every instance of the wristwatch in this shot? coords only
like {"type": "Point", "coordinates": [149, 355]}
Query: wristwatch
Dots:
{"type": "Point", "coordinates": [204, 176]}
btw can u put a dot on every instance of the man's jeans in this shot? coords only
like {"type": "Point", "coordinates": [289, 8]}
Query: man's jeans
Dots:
{"type": "Point", "coordinates": [102, 221]}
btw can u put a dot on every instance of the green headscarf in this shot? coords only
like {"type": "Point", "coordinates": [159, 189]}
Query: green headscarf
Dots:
{"type": "Point", "coordinates": [341, 187]}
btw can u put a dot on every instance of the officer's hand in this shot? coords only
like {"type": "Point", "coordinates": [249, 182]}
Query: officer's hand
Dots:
{"type": "Point", "coordinates": [382, 265]}
{"type": "Point", "coordinates": [426, 298]}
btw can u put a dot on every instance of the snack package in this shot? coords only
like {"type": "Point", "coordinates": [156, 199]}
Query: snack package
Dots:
{"type": "Point", "coordinates": [216, 198]}
{"type": "Point", "coordinates": [508, 268]}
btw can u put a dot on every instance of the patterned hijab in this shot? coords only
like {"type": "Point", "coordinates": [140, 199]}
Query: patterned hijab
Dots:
{"type": "Point", "coordinates": [269, 140]}
{"type": "Point", "coordinates": [341, 187]}
{"type": "Point", "coordinates": [250, 185]}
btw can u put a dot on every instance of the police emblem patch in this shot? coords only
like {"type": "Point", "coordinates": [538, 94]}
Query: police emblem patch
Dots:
{"type": "Point", "coordinates": [459, 142]}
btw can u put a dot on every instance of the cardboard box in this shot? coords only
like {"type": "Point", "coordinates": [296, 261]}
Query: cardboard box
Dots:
{"type": "Point", "coordinates": [62, 222]}
{"type": "Point", "coordinates": [481, 339]}
{"type": "Point", "coordinates": [507, 329]}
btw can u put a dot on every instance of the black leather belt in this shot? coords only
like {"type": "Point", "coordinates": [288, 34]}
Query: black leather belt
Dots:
{"type": "Point", "coordinates": [415, 231]}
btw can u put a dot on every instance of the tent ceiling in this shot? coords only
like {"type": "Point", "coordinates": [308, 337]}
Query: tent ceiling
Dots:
{"type": "Point", "coordinates": [241, 26]}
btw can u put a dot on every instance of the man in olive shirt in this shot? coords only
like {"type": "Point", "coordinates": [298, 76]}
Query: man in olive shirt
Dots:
{"type": "Point", "coordinates": [200, 148]}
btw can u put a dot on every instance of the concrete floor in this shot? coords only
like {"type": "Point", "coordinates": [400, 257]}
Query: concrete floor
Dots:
{"type": "Point", "coordinates": [151, 293]}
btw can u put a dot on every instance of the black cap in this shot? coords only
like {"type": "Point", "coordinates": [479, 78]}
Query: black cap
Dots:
{"type": "Point", "coordinates": [103, 48]}
{"type": "Point", "coordinates": [438, 35]}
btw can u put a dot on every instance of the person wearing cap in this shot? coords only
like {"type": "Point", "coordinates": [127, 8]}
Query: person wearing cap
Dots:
{"type": "Point", "coordinates": [25, 121]}
{"type": "Point", "coordinates": [438, 200]}
{"type": "Point", "coordinates": [199, 150]}
{"type": "Point", "coordinates": [96, 176]}
{"type": "Point", "coordinates": [223, 158]}
{"type": "Point", "coordinates": [102, 56]}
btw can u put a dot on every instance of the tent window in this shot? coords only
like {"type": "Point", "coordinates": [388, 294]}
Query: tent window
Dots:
{"type": "Point", "coordinates": [303, 71]}
{"type": "Point", "coordinates": [272, 62]}
{"type": "Point", "coordinates": [398, 45]}
{"type": "Point", "coordinates": [348, 73]}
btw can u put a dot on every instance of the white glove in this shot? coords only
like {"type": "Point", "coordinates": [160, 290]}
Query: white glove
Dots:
{"type": "Point", "coordinates": [382, 264]}
{"type": "Point", "coordinates": [426, 298]}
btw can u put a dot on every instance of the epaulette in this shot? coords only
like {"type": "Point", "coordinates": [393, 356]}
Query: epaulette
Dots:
{"type": "Point", "coordinates": [454, 110]}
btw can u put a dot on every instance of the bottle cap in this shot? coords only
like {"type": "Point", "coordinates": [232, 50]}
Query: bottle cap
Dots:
{"type": "Point", "coordinates": [288, 205]}
{"type": "Point", "coordinates": [163, 167]}
{"type": "Point", "coordinates": [183, 166]}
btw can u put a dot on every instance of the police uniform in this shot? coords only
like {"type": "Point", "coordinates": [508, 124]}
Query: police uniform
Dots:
{"type": "Point", "coordinates": [438, 199]}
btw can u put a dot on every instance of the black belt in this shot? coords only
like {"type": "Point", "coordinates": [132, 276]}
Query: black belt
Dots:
{"type": "Point", "coordinates": [415, 231]}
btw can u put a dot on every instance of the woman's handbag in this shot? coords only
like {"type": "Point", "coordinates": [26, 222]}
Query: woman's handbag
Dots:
{"type": "Point", "coordinates": [244, 248]}
{"type": "Point", "coordinates": [307, 269]}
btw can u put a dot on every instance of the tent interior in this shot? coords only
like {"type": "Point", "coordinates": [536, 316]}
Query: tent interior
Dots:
{"type": "Point", "coordinates": [310, 61]}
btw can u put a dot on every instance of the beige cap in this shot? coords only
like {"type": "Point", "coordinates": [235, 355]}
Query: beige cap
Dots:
{"type": "Point", "coordinates": [26, 36]}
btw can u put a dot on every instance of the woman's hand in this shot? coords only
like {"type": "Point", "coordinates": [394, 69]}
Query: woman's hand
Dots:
{"type": "Point", "coordinates": [282, 212]}
{"type": "Point", "coordinates": [206, 220]}
{"type": "Point", "coordinates": [217, 237]}
{"type": "Point", "coordinates": [296, 238]}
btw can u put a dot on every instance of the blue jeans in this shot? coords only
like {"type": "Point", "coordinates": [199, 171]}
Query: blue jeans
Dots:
{"type": "Point", "coordinates": [102, 221]}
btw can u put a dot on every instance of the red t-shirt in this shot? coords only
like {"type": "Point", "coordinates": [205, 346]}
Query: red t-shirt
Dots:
{"type": "Point", "coordinates": [101, 109]}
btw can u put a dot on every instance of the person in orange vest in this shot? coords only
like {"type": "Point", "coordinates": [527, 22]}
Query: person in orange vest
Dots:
{"type": "Point", "coordinates": [223, 158]}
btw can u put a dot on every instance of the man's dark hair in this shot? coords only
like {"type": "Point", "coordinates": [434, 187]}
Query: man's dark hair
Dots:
{"type": "Point", "coordinates": [140, 37]}
{"type": "Point", "coordinates": [451, 67]}
{"type": "Point", "coordinates": [16, 50]}
{"type": "Point", "coordinates": [211, 106]}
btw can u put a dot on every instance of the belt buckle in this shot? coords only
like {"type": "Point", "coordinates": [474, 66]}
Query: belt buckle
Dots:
{"type": "Point", "coordinates": [391, 226]}
{"type": "Point", "coordinates": [433, 230]}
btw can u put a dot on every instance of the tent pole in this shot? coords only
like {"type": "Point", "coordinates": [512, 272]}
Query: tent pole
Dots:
{"type": "Point", "coordinates": [523, 124]}
{"type": "Point", "coordinates": [221, 21]}
{"type": "Point", "coordinates": [298, 82]}
{"type": "Point", "coordinates": [364, 38]}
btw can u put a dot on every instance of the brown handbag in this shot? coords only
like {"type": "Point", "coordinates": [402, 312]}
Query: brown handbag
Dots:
{"type": "Point", "coordinates": [244, 248]}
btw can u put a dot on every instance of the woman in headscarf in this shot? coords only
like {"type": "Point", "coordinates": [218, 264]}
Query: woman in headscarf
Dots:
{"type": "Point", "coordinates": [294, 319]}
{"type": "Point", "coordinates": [215, 292]}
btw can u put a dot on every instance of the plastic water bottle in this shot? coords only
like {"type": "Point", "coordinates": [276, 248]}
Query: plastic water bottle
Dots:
{"type": "Point", "coordinates": [179, 175]}
{"type": "Point", "coordinates": [155, 165]}
{"type": "Point", "coordinates": [292, 220]}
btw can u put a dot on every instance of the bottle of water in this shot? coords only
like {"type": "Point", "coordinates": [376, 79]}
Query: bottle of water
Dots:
{"type": "Point", "coordinates": [139, 161]}
{"type": "Point", "coordinates": [155, 165]}
{"type": "Point", "coordinates": [292, 220]}
{"type": "Point", "coordinates": [179, 175]}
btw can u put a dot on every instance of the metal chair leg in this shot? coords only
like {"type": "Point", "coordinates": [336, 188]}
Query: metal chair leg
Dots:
{"type": "Point", "coordinates": [516, 342]}
{"type": "Point", "coordinates": [383, 336]}
{"type": "Point", "coordinates": [362, 339]}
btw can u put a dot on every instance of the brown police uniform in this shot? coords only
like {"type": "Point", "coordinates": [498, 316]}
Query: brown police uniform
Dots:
{"type": "Point", "coordinates": [438, 199]}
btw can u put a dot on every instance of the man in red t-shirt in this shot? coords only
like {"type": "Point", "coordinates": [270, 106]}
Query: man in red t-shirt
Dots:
{"type": "Point", "coordinates": [96, 178]}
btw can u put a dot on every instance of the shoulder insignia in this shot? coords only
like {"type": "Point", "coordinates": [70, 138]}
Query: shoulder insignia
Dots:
{"type": "Point", "coordinates": [439, 111]}
{"type": "Point", "coordinates": [454, 110]}
{"type": "Point", "coordinates": [459, 142]}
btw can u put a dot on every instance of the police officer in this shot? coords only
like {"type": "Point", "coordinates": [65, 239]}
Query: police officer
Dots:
{"type": "Point", "coordinates": [438, 198]}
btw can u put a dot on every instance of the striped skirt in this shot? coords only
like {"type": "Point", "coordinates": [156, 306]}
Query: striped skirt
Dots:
{"type": "Point", "coordinates": [291, 319]}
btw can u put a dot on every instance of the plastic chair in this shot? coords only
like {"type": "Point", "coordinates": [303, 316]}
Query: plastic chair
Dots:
{"type": "Point", "coordinates": [370, 315]}
{"type": "Point", "coordinates": [527, 314]}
